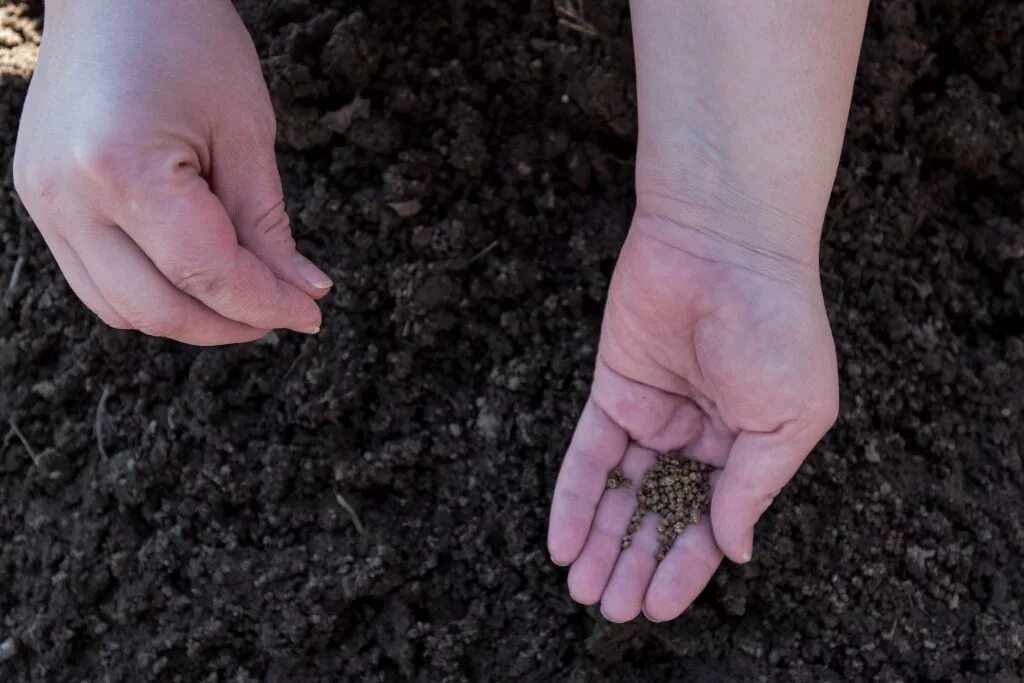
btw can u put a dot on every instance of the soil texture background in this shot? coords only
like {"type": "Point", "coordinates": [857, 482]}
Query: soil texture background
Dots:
{"type": "Point", "coordinates": [464, 172]}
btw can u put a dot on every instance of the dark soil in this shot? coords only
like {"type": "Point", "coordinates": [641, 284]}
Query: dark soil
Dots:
{"type": "Point", "coordinates": [208, 544]}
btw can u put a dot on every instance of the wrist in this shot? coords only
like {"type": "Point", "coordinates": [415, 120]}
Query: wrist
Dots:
{"type": "Point", "coordinates": [709, 215]}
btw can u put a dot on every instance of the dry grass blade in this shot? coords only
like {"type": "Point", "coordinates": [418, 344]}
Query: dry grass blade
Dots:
{"type": "Point", "coordinates": [15, 276]}
{"type": "Point", "coordinates": [351, 513]}
{"type": "Point", "coordinates": [485, 251]}
{"type": "Point", "coordinates": [571, 15]}
{"type": "Point", "coordinates": [101, 408]}
{"type": "Point", "coordinates": [24, 442]}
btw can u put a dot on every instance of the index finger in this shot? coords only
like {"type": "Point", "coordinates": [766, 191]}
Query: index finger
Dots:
{"type": "Point", "coordinates": [185, 230]}
{"type": "Point", "coordinates": [597, 447]}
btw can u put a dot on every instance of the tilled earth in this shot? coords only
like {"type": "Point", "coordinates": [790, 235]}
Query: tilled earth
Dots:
{"type": "Point", "coordinates": [200, 536]}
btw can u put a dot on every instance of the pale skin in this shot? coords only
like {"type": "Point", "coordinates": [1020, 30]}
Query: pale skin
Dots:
{"type": "Point", "coordinates": [152, 178]}
{"type": "Point", "coordinates": [152, 175]}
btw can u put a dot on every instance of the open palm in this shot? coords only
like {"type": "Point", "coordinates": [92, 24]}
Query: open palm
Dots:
{"type": "Point", "coordinates": [709, 348]}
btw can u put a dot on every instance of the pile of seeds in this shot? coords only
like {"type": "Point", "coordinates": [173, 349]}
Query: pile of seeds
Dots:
{"type": "Point", "coordinates": [676, 490]}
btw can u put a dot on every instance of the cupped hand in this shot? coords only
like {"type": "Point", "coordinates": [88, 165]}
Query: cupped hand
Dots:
{"type": "Point", "coordinates": [713, 347]}
{"type": "Point", "coordinates": [145, 156]}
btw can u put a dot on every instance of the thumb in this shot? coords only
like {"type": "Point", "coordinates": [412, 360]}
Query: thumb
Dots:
{"type": "Point", "coordinates": [247, 182]}
{"type": "Point", "coordinates": [759, 465]}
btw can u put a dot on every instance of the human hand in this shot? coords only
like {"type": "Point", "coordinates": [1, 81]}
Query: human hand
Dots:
{"type": "Point", "coordinates": [145, 156]}
{"type": "Point", "coordinates": [715, 338]}
{"type": "Point", "coordinates": [709, 346]}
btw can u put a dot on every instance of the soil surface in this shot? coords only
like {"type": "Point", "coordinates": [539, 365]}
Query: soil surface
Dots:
{"type": "Point", "coordinates": [464, 171]}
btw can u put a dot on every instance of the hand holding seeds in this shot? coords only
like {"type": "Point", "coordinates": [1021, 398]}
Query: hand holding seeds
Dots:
{"type": "Point", "coordinates": [737, 374]}
{"type": "Point", "coordinates": [715, 341]}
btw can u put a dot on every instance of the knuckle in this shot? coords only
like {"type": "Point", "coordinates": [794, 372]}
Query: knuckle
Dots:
{"type": "Point", "coordinates": [117, 165]}
{"type": "Point", "coordinates": [200, 282]}
{"type": "Point", "coordinates": [31, 181]}
{"type": "Point", "coordinates": [104, 160]}
{"type": "Point", "coordinates": [273, 228]}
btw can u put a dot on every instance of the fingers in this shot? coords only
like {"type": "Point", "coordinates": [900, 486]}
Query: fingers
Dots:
{"type": "Point", "coordinates": [249, 186]}
{"type": "Point", "coordinates": [597, 446]}
{"type": "Point", "coordinates": [629, 581]}
{"type": "Point", "coordinates": [150, 303]}
{"type": "Point", "coordinates": [186, 233]}
{"type": "Point", "coordinates": [759, 465]}
{"type": "Point", "coordinates": [683, 574]}
{"type": "Point", "coordinates": [81, 282]}
{"type": "Point", "coordinates": [269, 237]}
{"type": "Point", "coordinates": [624, 595]}
{"type": "Point", "coordinates": [661, 590]}
{"type": "Point", "coordinates": [589, 574]}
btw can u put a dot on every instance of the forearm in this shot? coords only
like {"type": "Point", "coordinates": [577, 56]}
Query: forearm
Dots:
{"type": "Point", "coordinates": [742, 108]}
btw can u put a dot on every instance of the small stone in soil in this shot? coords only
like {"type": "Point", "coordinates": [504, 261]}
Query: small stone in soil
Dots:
{"type": "Point", "coordinates": [676, 490]}
{"type": "Point", "coordinates": [8, 649]}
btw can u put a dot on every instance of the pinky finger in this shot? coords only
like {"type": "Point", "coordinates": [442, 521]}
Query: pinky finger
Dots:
{"type": "Point", "coordinates": [81, 283]}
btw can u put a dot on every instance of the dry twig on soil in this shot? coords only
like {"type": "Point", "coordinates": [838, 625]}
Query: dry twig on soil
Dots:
{"type": "Point", "coordinates": [15, 275]}
{"type": "Point", "coordinates": [351, 513]}
{"type": "Point", "coordinates": [24, 442]}
{"type": "Point", "coordinates": [571, 15]}
{"type": "Point", "coordinates": [485, 251]}
{"type": "Point", "coordinates": [101, 408]}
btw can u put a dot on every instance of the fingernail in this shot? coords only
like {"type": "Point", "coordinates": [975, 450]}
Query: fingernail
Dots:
{"type": "Point", "coordinates": [316, 278]}
{"type": "Point", "coordinates": [312, 328]}
{"type": "Point", "coordinates": [649, 618]}
{"type": "Point", "coordinates": [609, 619]}
{"type": "Point", "coordinates": [554, 561]}
{"type": "Point", "coordinates": [748, 547]}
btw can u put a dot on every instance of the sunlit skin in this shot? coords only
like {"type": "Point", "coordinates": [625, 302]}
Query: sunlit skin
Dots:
{"type": "Point", "coordinates": [715, 338]}
{"type": "Point", "coordinates": [145, 156]}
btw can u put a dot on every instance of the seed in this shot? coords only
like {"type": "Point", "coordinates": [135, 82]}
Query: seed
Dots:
{"type": "Point", "coordinates": [676, 490]}
{"type": "Point", "coordinates": [617, 480]}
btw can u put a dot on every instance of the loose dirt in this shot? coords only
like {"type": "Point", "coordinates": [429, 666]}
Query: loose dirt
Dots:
{"type": "Point", "coordinates": [456, 354]}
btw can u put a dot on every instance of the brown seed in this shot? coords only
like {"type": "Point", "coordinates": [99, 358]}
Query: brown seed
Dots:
{"type": "Point", "coordinates": [676, 490]}
{"type": "Point", "coordinates": [617, 480]}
